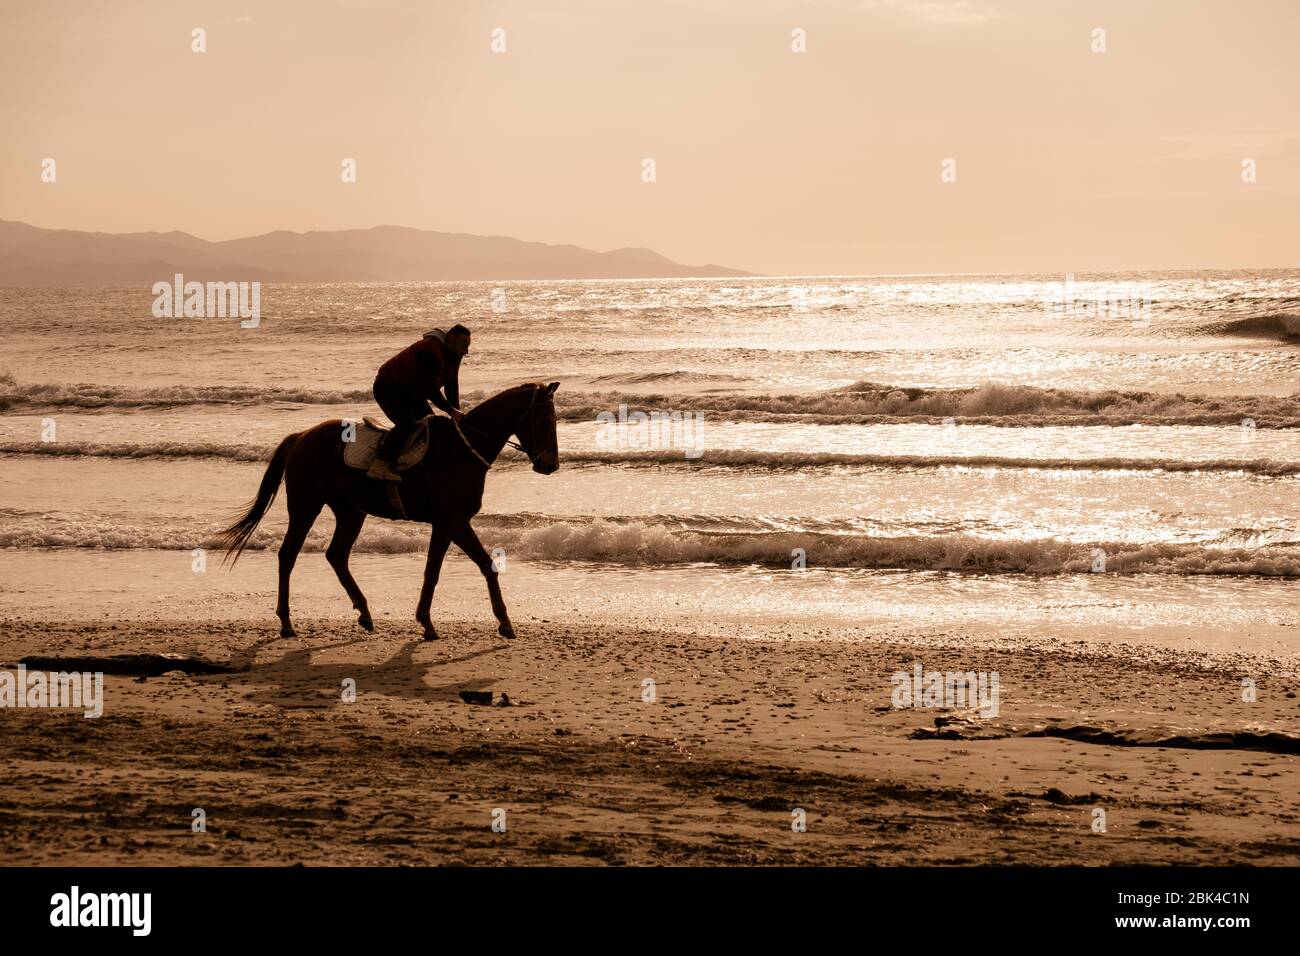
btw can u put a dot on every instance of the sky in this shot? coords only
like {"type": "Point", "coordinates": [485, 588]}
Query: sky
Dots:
{"type": "Point", "coordinates": [823, 162]}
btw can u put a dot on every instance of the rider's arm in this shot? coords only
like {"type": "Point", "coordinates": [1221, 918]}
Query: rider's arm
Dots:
{"type": "Point", "coordinates": [453, 382]}
{"type": "Point", "coordinates": [441, 402]}
{"type": "Point", "coordinates": [429, 366]}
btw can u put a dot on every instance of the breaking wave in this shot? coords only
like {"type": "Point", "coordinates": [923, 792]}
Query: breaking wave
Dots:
{"type": "Point", "coordinates": [719, 458]}
{"type": "Point", "coordinates": [1281, 327]}
{"type": "Point", "coordinates": [739, 458]}
{"type": "Point", "coordinates": [987, 404]}
{"type": "Point", "coordinates": [233, 452]}
{"type": "Point", "coordinates": [642, 378]}
{"type": "Point", "coordinates": [650, 543]}
{"type": "Point", "coordinates": [861, 403]}
{"type": "Point", "coordinates": [749, 458]}
{"type": "Point", "coordinates": [83, 395]}
{"type": "Point", "coordinates": [641, 543]}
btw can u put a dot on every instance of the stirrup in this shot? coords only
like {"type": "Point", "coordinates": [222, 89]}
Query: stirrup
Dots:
{"type": "Point", "coordinates": [382, 470]}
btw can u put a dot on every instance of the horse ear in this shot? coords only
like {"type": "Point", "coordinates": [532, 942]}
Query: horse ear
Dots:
{"type": "Point", "coordinates": [552, 387]}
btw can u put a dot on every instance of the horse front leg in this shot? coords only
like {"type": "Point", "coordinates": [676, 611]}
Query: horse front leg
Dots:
{"type": "Point", "coordinates": [468, 542]}
{"type": "Point", "coordinates": [438, 544]}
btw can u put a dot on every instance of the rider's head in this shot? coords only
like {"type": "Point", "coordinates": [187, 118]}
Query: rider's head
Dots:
{"type": "Point", "coordinates": [458, 340]}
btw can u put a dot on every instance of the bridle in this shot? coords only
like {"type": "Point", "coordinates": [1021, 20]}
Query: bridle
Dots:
{"type": "Point", "coordinates": [532, 405]}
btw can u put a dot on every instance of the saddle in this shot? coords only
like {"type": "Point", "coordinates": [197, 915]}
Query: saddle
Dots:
{"type": "Point", "coordinates": [360, 452]}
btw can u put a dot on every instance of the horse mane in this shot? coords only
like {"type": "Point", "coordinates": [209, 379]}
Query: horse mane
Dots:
{"type": "Point", "coordinates": [492, 401]}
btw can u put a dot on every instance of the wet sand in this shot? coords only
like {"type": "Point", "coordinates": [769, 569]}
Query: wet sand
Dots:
{"type": "Point", "coordinates": [742, 731]}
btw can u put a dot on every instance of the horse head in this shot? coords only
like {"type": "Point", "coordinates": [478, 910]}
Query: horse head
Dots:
{"type": "Point", "coordinates": [536, 429]}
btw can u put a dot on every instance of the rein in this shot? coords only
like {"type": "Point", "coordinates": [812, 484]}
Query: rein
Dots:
{"type": "Point", "coordinates": [513, 444]}
{"type": "Point", "coordinates": [472, 450]}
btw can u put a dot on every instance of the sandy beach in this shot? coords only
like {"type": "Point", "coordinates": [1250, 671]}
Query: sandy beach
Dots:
{"type": "Point", "coordinates": [744, 729]}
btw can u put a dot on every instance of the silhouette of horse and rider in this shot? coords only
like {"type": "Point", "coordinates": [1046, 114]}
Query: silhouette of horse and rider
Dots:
{"type": "Point", "coordinates": [426, 468]}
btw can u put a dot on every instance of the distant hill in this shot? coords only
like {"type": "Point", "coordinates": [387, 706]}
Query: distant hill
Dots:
{"type": "Point", "coordinates": [31, 256]}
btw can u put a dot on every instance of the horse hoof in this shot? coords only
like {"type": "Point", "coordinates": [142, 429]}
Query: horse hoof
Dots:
{"type": "Point", "coordinates": [366, 622]}
{"type": "Point", "coordinates": [288, 632]}
{"type": "Point", "coordinates": [506, 631]}
{"type": "Point", "coordinates": [430, 634]}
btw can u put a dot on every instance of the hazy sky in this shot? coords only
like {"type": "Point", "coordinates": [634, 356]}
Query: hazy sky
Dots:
{"type": "Point", "coordinates": [827, 161]}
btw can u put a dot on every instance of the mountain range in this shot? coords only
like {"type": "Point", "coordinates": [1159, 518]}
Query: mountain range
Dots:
{"type": "Point", "coordinates": [32, 256]}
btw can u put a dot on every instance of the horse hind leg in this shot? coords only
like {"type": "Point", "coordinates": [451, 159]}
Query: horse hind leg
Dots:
{"type": "Point", "coordinates": [301, 517]}
{"type": "Point", "coordinates": [347, 526]}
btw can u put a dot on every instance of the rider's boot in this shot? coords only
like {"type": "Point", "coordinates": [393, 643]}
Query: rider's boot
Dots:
{"type": "Point", "coordinates": [381, 468]}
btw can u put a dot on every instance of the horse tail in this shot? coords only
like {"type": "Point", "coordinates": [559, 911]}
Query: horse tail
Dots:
{"type": "Point", "coordinates": [234, 538]}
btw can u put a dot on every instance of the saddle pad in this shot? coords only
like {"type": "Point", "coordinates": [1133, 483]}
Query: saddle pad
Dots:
{"type": "Point", "coordinates": [360, 452]}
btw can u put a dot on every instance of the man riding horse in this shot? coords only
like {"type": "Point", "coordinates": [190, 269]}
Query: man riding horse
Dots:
{"type": "Point", "coordinates": [444, 490]}
{"type": "Point", "coordinates": [426, 371]}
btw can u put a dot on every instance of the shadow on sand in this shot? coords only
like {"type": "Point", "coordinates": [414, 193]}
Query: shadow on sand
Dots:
{"type": "Point", "coordinates": [298, 680]}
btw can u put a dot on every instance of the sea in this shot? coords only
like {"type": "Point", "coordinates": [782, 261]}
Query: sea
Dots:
{"type": "Point", "coordinates": [1059, 458]}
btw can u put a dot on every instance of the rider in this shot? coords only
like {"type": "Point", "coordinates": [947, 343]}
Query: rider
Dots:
{"type": "Point", "coordinates": [418, 374]}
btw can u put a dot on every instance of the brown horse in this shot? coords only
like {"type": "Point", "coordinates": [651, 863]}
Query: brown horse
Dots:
{"type": "Point", "coordinates": [445, 490]}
